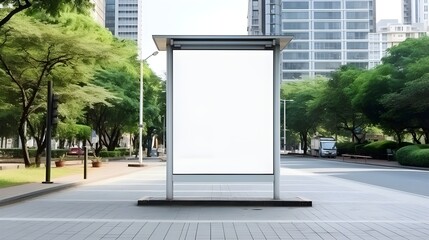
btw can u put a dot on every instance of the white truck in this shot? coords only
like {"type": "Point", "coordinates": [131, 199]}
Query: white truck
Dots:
{"type": "Point", "coordinates": [323, 147]}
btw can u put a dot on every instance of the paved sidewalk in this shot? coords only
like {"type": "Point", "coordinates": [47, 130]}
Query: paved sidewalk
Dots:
{"type": "Point", "coordinates": [117, 168]}
{"type": "Point", "coordinates": [107, 209]}
{"type": "Point", "coordinates": [108, 170]}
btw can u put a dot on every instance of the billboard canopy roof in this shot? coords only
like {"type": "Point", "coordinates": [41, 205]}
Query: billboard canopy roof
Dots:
{"type": "Point", "coordinates": [220, 42]}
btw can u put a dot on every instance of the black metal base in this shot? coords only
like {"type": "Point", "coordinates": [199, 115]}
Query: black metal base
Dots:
{"type": "Point", "coordinates": [290, 202]}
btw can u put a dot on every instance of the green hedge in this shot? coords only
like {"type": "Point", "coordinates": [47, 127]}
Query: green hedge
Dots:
{"type": "Point", "coordinates": [124, 151]}
{"type": "Point", "coordinates": [58, 153]}
{"type": "Point", "coordinates": [17, 152]}
{"type": "Point", "coordinates": [378, 149]}
{"type": "Point", "coordinates": [110, 154]}
{"type": "Point", "coordinates": [413, 155]}
{"type": "Point", "coordinates": [346, 147]}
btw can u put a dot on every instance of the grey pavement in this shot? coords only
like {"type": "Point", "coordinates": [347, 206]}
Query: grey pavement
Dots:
{"type": "Point", "coordinates": [106, 208]}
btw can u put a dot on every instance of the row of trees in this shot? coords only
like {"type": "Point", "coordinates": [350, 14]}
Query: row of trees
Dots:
{"type": "Point", "coordinates": [393, 97]}
{"type": "Point", "coordinates": [95, 75]}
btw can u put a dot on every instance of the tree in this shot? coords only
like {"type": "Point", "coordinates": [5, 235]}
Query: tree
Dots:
{"type": "Point", "coordinates": [336, 101]}
{"type": "Point", "coordinates": [51, 7]}
{"type": "Point", "coordinates": [31, 53]}
{"type": "Point", "coordinates": [303, 117]}
{"type": "Point", "coordinates": [111, 119]}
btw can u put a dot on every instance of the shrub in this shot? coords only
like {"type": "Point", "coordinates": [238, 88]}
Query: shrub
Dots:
{"type": "Point", "coordinates": [379, 149]}
{"type": "Point", "coordinates": [124, 151]}
{"type": "Point", "coordinates": [56, 153]}
{"type": "Point", "coordinates": [413, 155]}
{"type": "Point", "coordinates": [359, 149]}
{"type": "Point", "coordinates": [346, 147]}
{"type": "Point", "coordinates": [17, 152]}
{"type": "Point", "coordinates": [110, 153]}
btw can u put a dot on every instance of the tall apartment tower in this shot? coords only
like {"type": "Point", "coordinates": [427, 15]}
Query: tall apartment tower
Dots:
{"type": "Point", "coordinates": [415, 11]}
{"type": "Point", "coordinates": [326, 33]}
{"type": "Point", "coordinates": [124, 19]}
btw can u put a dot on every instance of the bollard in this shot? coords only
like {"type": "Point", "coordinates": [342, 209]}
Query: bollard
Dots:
{"type": "Point", "coordinates": [85, 160]}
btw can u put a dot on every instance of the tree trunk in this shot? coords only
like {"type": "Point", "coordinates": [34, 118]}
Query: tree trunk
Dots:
{"type": "Point", "coordinates": [23, 139]}
{"type": "Point", "coordinates": [304, 140]}
{"type": "Point", "coordinates": [62, 143]}
{"type": "Point", "coordinates": [398, 136]}
{"type": "Point", "coordinates": [415, 138]}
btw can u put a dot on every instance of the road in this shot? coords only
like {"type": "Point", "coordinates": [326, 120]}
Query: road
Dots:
{"type": "Point", "coordinates": [407, 180]}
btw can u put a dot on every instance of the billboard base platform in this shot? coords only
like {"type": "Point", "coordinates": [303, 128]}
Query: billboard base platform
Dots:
{"type": "Point", "coordinates": [261, 202]}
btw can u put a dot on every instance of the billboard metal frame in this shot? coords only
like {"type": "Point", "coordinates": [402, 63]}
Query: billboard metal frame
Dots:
{"type": "Point", "coordinates": [171, 43]}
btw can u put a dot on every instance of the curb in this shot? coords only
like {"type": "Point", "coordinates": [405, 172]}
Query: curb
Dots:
{"type": "Point", "coordinates": [37, 193]}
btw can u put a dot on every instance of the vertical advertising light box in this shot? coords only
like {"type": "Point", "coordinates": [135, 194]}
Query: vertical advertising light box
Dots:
{"type": "Point", "coordinates": [222, 112]}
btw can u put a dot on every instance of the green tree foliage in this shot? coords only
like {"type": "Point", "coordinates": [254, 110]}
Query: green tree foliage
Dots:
{"type": "Point", "coordinates": [336, 101]}
{"type": "Point", "coordinates": [121, 112]}
{"type": "Point", "coordinates": [51, 7]}
{"type": "Point", "coordinates": [67, 53]}
{"type": "Point", "coordinates": [303, 116]}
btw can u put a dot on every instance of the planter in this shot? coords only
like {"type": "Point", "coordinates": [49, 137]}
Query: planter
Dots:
{"type": "Point", "coordinates": [59, 163]}
{"type": "Point", "coordinates": [96, 164]}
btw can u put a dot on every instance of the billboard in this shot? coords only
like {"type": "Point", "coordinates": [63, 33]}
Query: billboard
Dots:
{"type": "Point", "coordinates": [222, 112]}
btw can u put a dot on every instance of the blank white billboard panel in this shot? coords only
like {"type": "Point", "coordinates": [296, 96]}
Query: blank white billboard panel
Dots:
{"type": "Point", "coordinates": [222, 112]}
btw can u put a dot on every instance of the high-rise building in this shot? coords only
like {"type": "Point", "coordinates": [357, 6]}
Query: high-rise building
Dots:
{"type": "Point", "coordinates": [415, 11]}
{"type": "Point", "coordinates": [326, 33]}
{"type": "Point", "coordinates": [123, 19]}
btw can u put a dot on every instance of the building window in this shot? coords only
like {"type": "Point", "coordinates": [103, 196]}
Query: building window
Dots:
{"type": "Point", "coordinates": [327, 35]}
{"type": "Point", "coordinates": [357, 25]}
{"type": "Point", "coordinates": [357, 5]}
{"type": "Point", "coordinates": [255, 13]}
{"type": "Point", "coordinates": [295, 5]}
{"type": "Point", "coordinates": [327, 55]}
{"type": "Point", "coordinates": [327, 15]}
{"type": "Point", "coordinates": [298, 35]}
{"type": "Point", "coordinates": [327, 45]}
{"type": "Point", "coordinates": [357, 35]}
{"type": "Point", "coordinates": [327, 5]}
{"type": "Point", "coordinates": [327, 65]}
{"type": "Point", "coordinates": [357, 15]}
{"type": "Point", "coordinates": [357, 45]}
{"type": "Point", "coordinates": [327, 25]}
{"type": "Point", "coordinates": [295, 55]}
{"type": "Point", "coordinates": [357, 55]}
{"type": "Point", "coordinates": [295, 15]}
{"type": "Point", "coordinates": [295, 25]}
{"type": "Point", "coordinates": [298, 45]}
{"type": "Point", "coordinates": [293, 75]}
{"type": "Point", "coordinates": [296, 65]}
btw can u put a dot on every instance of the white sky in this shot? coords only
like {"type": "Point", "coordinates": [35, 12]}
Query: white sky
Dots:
{"type": "Point", "coordinates": [209, 17]}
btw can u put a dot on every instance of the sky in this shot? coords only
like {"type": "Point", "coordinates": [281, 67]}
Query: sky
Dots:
{"type": "Point", "coordinates": [209, 17]}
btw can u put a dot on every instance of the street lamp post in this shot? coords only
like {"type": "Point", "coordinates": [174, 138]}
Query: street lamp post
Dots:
{"type": "Point", "coordinates": [141, 108]}
{"type": "Point", "coordinates": [284, 122]}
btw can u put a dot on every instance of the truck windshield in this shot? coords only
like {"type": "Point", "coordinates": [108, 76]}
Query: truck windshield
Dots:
{"type": "Point", "coordinates": [328, 145]}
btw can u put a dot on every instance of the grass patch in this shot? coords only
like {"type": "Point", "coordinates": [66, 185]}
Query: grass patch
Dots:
{"type": "Point", "coordinates": [13, 177]}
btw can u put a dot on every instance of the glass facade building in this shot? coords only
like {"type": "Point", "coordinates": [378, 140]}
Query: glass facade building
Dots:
{"type": "Point", "coordinates": [326, 33]}
{"type": "Point", "coordinates": [123, 19]}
